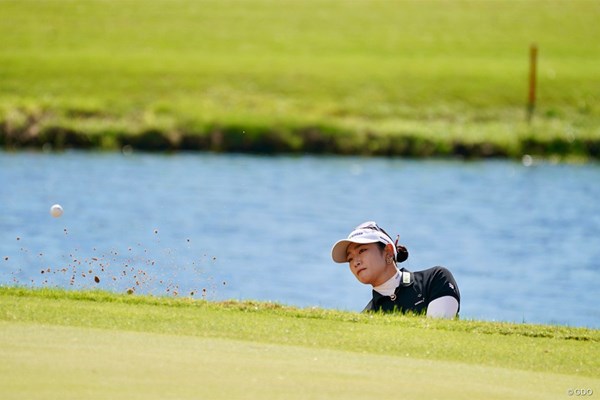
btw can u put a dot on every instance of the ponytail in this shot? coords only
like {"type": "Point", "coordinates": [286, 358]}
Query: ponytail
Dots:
{"type": "Point", "coordinates": [401, 251]}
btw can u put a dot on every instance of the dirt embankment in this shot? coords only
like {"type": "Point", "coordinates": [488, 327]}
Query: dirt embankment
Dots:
{"type": "Point", "coordinates": [34, 133]}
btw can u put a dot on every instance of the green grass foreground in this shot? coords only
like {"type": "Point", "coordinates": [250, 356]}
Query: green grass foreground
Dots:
{"type": "Point", "coordinates": [411, 78]}
{"type": "Point", "coordinates": [90, 344]}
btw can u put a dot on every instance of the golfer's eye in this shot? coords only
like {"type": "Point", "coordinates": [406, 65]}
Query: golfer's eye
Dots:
{"type": "Point", "coordinates": [362, 250]}
{"type": "Point", "coordinates": [350, 260]}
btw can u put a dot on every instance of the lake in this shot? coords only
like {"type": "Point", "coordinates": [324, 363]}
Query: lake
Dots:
{"type": "Point", "coordinates": [523, 241]}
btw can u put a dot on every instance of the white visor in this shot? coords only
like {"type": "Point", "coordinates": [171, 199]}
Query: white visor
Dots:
{"type": "Point", "coordinates": [367, 232]}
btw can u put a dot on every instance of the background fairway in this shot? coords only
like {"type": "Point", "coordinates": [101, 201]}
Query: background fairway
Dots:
{"type": "Point", "coordinates": [442, 70]}
{"type": "Point", "coordinates": [101, 345]}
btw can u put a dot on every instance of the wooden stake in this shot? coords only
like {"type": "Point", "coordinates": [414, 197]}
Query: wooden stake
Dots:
{"type": "Point", "coordinates": [532, 81]}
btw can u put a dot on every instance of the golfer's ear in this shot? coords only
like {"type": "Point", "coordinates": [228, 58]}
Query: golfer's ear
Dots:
{"type": "Point", "coordinates": [389, 250]}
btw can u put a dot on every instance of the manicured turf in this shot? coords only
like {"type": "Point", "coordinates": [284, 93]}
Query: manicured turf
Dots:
{"type": "Point", "coordinates": [225, 75]}
{"type": "Point", "coordinates": [101, 345]}
{"type": "Point", "coordinates": [41, 362]}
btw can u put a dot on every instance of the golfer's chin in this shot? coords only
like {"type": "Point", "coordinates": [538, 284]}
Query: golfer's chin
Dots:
{"type": "Point", "coordinates": [364, 278]}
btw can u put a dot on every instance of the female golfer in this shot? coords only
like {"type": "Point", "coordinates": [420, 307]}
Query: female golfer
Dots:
{"type": "Point", "coordinates": [372, 256]}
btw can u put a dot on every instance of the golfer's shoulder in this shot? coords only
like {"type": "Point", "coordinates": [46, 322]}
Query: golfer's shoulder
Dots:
{"type": "Point", "coordinates": [435, 278]}
{"type": "Point", "coordinates": [436, 272]}
{"type": "Point", "coordinates": [438, 282]}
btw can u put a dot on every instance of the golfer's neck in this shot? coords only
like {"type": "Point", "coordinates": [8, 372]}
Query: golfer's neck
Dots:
{"type": "Point", "coordinates": [386, 275]}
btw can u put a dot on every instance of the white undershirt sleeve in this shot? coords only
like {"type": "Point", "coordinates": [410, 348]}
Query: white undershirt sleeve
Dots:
{"type": "Point", "coordinates": [443, 307]}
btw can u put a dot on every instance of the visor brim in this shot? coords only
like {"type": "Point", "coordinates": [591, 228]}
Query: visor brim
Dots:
{"type": "Point", "coordinates": [339, 252]}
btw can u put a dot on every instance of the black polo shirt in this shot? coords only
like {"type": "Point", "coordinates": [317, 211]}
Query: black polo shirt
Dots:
{"type": "Point", "coordinates": [416, 291]}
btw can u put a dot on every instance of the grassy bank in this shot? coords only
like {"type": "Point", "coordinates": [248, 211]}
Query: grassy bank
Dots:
{"type": "Point", "coordinates": [413, 78]}
{"type": "Point", "coordinates": [102, 345]}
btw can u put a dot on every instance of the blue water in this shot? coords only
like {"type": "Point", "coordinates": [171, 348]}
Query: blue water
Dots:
{"type": "Point", "coordinates": [523, 242]}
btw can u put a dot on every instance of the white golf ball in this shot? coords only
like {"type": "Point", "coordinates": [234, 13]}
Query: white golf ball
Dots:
{"type": "Point", "coordinates": [56, 210]}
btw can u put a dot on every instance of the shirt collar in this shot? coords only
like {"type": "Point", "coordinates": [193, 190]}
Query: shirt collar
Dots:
{"type": "Point", "coordinates": [405, 279]}
{"type": "Point", "coordinates": [388, 287]}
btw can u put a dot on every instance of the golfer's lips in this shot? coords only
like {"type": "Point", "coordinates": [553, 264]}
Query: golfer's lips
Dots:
{"type": "Point", "coordinates": [361, 269]}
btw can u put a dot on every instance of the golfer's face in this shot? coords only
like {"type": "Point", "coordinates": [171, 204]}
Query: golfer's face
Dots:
{"type": "Point", "coordinates": [367, 262]}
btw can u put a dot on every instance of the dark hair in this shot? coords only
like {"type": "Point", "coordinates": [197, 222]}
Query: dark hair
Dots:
{"type": "Point", "coordinates": [401, 251]}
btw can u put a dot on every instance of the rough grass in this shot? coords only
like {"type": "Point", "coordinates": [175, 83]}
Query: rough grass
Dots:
{"type": "Point", "coordinates": [414, 78]}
